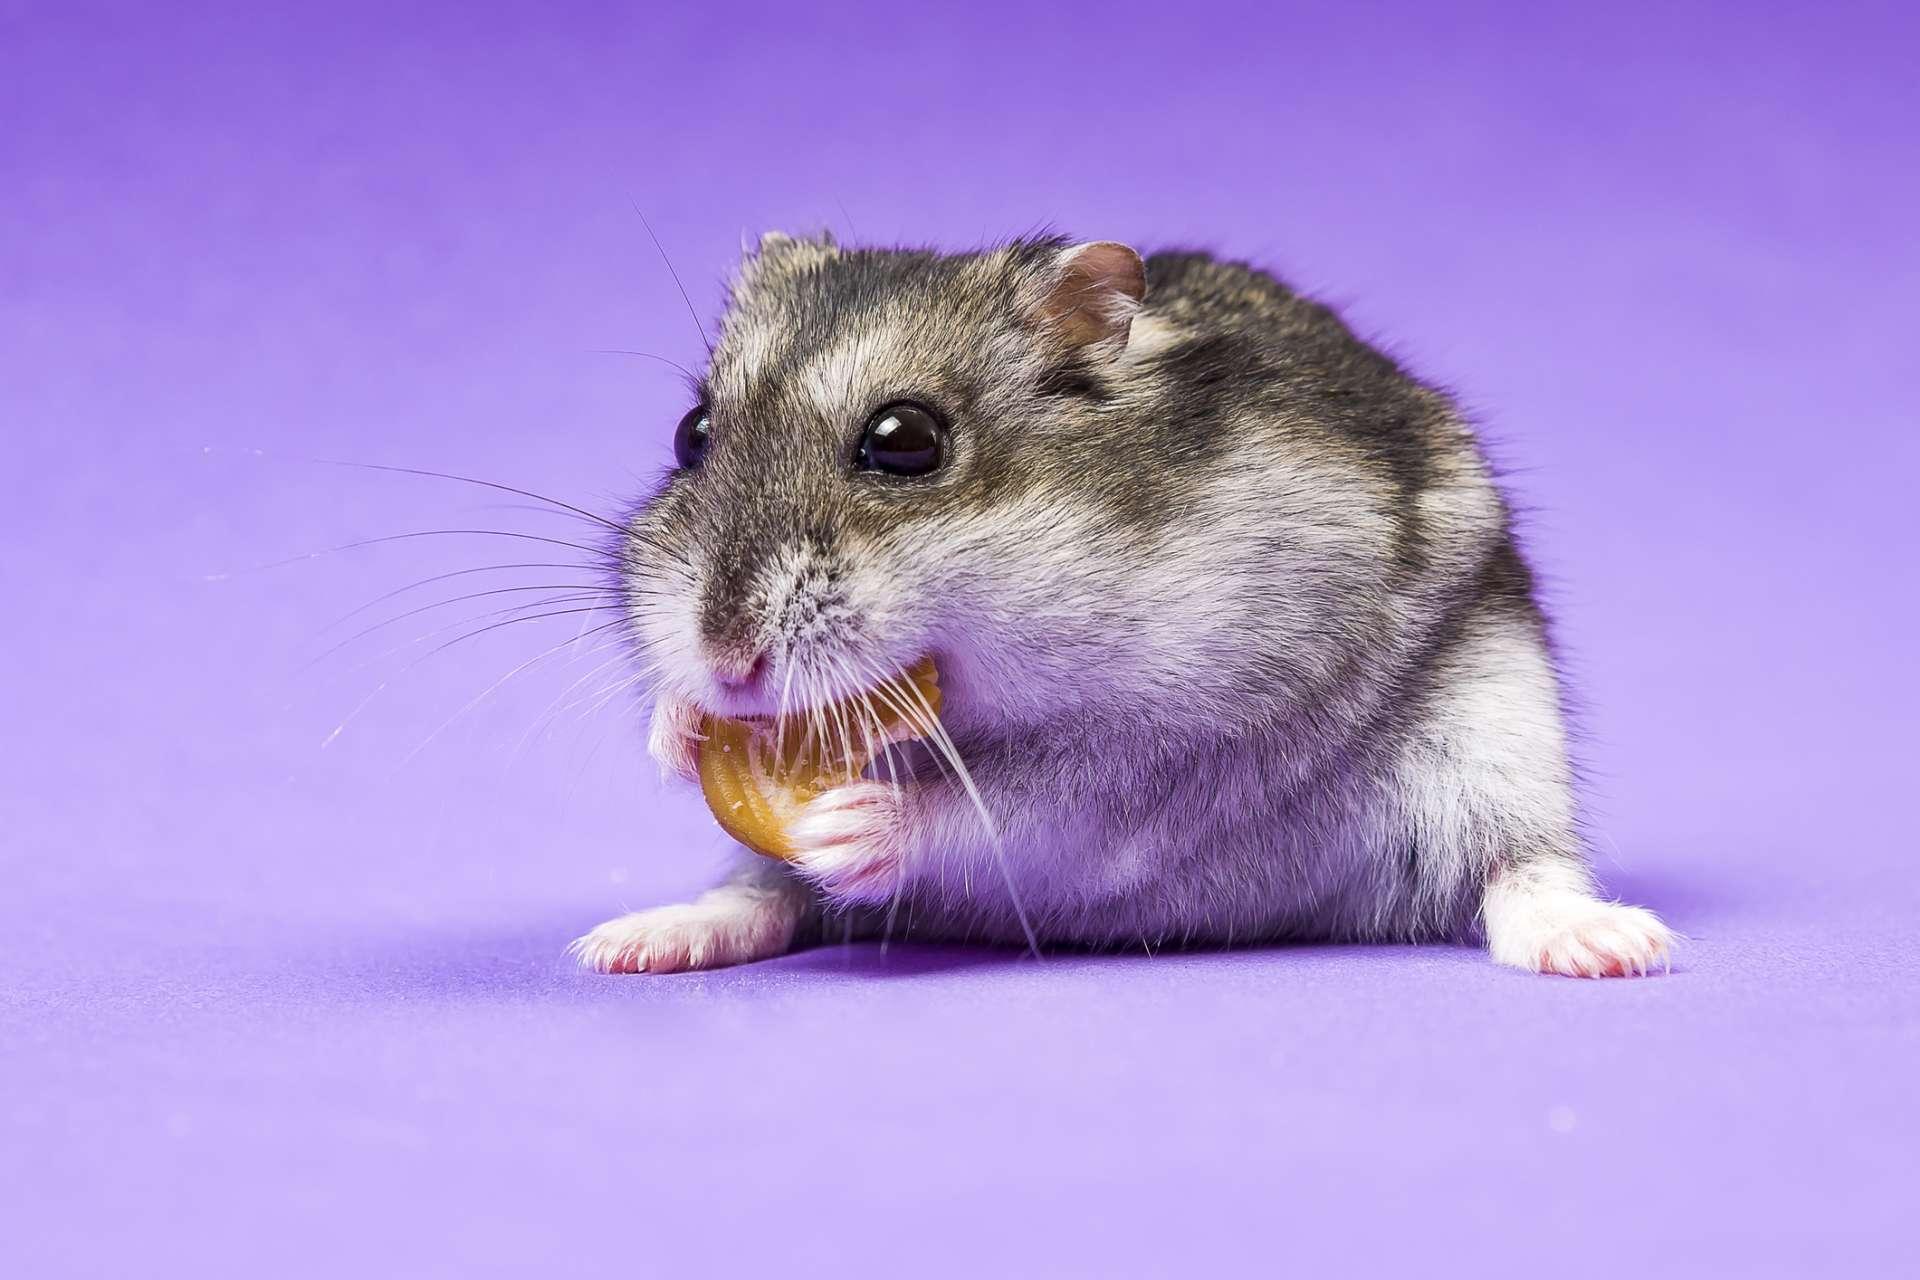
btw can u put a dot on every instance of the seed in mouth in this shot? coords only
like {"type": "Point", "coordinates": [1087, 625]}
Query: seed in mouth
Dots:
{"type": "Point", "coordinates": [756, 783]}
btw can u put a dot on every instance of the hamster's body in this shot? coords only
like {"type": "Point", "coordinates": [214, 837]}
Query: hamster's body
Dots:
{"type": "Point", "coordinates": [1234, 636]}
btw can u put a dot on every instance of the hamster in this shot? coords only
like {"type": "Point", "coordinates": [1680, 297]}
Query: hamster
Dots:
{"type": "Point", "coordinates": [1235, 639]}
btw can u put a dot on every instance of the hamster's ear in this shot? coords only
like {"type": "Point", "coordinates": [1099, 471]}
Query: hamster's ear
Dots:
{"type": "Point", "coordinates": [778, 245]}
{"type": "Point", "coordinates": [1092, 293]}
{"type": "Point", "coordinates": [779, 254]}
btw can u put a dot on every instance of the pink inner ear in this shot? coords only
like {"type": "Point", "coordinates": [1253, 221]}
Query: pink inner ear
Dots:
{"type": "Point", "coordinates": [1100, 284]}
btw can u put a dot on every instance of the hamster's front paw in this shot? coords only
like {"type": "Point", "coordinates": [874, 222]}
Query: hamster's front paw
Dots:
{"type": "Point", "coordinates": [732, 924]}
{"type": "Point", "coordinates": [674, 738]}
{"type": "Point", "coordinates": [851, 841]}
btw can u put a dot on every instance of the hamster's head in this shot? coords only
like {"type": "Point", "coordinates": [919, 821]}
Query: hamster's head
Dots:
{"type": "Point", "coordinates": [893, 455]}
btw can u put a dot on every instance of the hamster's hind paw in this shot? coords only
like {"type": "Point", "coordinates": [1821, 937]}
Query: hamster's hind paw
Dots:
{"type": "Point", "coordinates": [1577, 936]}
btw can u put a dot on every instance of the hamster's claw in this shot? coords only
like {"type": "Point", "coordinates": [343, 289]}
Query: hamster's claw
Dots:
{"type": "Point", "coordinates": [851, 841]}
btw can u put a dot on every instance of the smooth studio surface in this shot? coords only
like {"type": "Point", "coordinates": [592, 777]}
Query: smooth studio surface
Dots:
{"type": "Point", "coordinates": [280, 1000]}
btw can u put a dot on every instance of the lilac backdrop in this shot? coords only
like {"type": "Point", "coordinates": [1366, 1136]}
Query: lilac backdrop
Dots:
{"type": "Point", "coordinates": [298, 1010]}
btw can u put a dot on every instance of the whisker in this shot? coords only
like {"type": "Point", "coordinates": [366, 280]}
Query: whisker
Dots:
{"type": "Point", "coordinates": [602, 647]}
{"type": "Point", "coordinates": [588, 590]}
{"type": "Point", "coordinates": [691, 312]}
{"type": "Point", "coordinates": [364, 702]}
{"type": "Point", "coordinates": [616, 351]}
{"type": "Point", "coordinates": [602, 700]}
{"type": "Point", "coordinates": [866, 706]}
{"type": "Point", "coordinates": [601, 697]}
{"type": "Point", "coordinates": [882, 757]}
{"type": "Point", "coordinates": [817, 716]}
{"type": "Point", "coordinates": [549, 717]}
{"type": "Point", "coordinates": [780, 711]}
{"type": "Point", "coordinates": [488, 691]}
{"type": "Point", "coordinates": [837, 716]}
{"type": "Point", "coordinates": [439, 577]}
{"type": "Point", "coordinates": [973, 793]}
{"type": "Point", "coordinates": [597, 552]}
{"type": "Point", "coordinates": [507, 613]}
{"type": "Point", "coordinates": [582, 512]}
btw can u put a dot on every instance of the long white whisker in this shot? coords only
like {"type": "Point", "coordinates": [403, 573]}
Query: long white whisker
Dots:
{"type": "Point", "coordinates": [786, 698]}
{"type": "Point", "coordinates": [884, 756]}
{"type": "Point", "coordinates": [980, 806]}
{"type": "Point", "coordinates": [583, 590]}
{"type": "Point", "coordinates": [604, 697]}
{"type": "Point", "coordinates": [837, 710]}
{"type": "Point", "coordinates": [484, 693]}
{"type": "Point", "coordinates": [443, 577]}
{"type": "Point", "coordinates": [363, 704]}
{"type": "Point", "coordinates": [917, 719]}
{"type": "Point", "coordinates": [554, 709]}
{"type": "Point", "coordinates": [508, 613]}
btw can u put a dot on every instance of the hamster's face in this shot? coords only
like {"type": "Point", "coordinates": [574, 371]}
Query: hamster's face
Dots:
{"type": "Point", "coordinates": [872, 474]}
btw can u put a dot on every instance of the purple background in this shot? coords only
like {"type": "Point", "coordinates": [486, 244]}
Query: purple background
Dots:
{"type": "Point", "coordinates": [302, 1009]}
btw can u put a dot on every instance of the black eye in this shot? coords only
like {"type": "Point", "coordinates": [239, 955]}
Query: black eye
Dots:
{"type": "Point", "coordinates": [691, 436]}
{"type": "Point", "coordinates": [903, 439]}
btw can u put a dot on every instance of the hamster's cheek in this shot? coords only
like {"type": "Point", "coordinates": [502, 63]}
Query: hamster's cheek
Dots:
{"type": "Point", "coordinates": [662, 617]}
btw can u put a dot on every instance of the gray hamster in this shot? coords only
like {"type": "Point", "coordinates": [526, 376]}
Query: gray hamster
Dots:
{"type": "Point", "coordinates": [1235, 639]}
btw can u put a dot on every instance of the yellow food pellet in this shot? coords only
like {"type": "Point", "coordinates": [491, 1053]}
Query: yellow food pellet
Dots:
{"type": "Point", "coordinates": [756, 793]}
